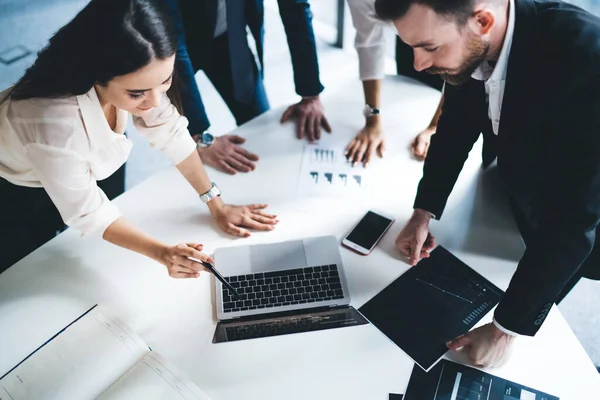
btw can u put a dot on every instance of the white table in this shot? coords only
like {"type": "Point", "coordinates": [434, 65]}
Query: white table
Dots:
{"type": "Point", "coordinates": [55, 284]}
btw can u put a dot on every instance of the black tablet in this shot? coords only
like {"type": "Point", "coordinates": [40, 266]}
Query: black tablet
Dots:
{"type": "Point", "coordinates": [433, 302]}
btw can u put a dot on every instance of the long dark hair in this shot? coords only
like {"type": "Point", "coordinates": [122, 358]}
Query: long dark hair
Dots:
{"type": "Point", "coordinates": [108, 38]}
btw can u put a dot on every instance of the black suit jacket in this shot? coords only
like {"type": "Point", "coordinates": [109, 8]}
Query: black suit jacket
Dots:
{"type": "Point", "coordinates": [548, 150]}
{"type": "Point", "coordinates": [296, 16]}
{"type": "Point", "coordinates": [195, 22]}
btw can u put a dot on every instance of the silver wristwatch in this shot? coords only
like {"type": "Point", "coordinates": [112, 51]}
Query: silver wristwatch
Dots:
{"type": "Point", "coordinates": [370, 111]}
{"type": "Point", "coordinates": [211, 194]}
{"type": "Point", "coordinates": [205, 140]}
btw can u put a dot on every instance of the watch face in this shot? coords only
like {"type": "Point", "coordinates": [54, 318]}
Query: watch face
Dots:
{"type": "Point", "coordinates": [369, 111]}
{"type": "Point", "coordinates": [207, 138]}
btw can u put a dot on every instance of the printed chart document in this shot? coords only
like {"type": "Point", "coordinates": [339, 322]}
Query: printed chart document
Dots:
{"type": "Point", "coordinates": [433, 302]}
{"type": "Point", "coordinates": [452, 381]}
{"type": "Point", "coordinates": [96, 356]}
{"type": "Point", "coordinates": [325, 172]}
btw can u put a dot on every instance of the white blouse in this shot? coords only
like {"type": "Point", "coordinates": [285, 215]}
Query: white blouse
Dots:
{"type": "Point", "coordinates": [370, 41]}
{"type": "Point", "coordinates": [66, 145]}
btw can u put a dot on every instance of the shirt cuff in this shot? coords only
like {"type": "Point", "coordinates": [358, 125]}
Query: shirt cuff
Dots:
{"type": "Point", "coordinates": [179, 147]}
{"type": "Point", "coordinates": [432, 215]}
{"type": "Point", "coordinates": [503, 329]}
{"type": "Point", "coordinates": [371, 62]}
{"type": "Point", "coordinates": [98, 221]}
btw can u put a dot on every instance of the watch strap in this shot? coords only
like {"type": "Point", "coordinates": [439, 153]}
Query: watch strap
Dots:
{"type": "Point", "coordinates": [213, 192]}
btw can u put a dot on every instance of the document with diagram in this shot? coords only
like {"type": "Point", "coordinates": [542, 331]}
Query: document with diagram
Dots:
{"type": "Point", "coordinates": [433, 302]}
{"type": "Point", "coordinates": [325, 172]}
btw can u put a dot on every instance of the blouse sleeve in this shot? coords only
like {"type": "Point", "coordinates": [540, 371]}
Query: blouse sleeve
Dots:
{"type": "Point", "coordinates": [57, 146]}
{"type": "Point", "coordinates": [166, 130]}
{"type": "Point", "coordinates": [67, 179]}
{"type": "Point", "coordinates": [370, 39]}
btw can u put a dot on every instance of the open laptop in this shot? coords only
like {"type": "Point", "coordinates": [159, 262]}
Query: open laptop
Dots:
{"type": "Point", "coordinates": [287, 287]}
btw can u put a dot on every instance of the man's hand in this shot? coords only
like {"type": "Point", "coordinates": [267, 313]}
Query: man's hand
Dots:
{"type": "Point", "coordinates": [310, 117]}
{"type": "Point", "coordinates": [487, 346]}
{"type": "Point", "coordinates": [361, 148]}
{"type": "Point", "coordinates": [414, 241]}
{"type": "Point", "coordinates": [420, 144]}
{"type": "Point", "coordinates": [227, 156]}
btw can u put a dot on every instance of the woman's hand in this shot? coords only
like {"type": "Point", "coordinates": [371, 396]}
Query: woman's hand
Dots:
{"type": "Point", "coordinates": [178, 263]}
{"type": "Point", "coordinates": [234, 219]}
{"type": "Point", "coordinates": [367, 141]}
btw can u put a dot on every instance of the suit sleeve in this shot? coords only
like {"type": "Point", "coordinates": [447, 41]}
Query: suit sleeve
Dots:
{"type": "Point", "coordinates": [570, 214]}
{"type": "Point", "coordinates": [191, 101]}
{"type": "Point", "coordinates": [296, 16]}
{"type": "Point", "coordinates": [448, 151]}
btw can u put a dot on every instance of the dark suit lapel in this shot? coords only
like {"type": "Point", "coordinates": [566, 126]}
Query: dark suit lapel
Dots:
{"type": "Point", "coordinates": [211, 8]}
{"type": "Point", "coordinates": [520, 75]}
{"type": "Point", "coordinates": [255, 19]}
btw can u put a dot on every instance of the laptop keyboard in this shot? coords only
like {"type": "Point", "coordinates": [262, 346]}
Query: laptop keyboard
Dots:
{"type": "Point", "coordinates": [287, 326]}
{"type": "Point", "coordinates": [283, 288]}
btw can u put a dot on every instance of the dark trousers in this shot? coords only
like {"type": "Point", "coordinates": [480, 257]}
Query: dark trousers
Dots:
{"type": "Point", "coordinates": [591, 266]}
{"type": "Point", "coordinates": [29, 218]}
{"type": "Point", "coordinates": [405, 60]}
{"type": "Point", "coordinates": [217, 67]}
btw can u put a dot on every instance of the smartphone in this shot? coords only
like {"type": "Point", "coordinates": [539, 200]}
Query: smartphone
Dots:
{"type": "Point", "coordinates": [366, 234]}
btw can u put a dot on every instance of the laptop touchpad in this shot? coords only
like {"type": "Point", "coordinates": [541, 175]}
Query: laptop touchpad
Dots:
{"type": "Point", "coordinates": [277, 256]}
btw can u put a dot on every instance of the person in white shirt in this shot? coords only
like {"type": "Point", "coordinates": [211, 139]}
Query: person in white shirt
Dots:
{"type": "Point", "coordinates": [62, 125]}
{"type": "Point", "coordinates": [370, 44]}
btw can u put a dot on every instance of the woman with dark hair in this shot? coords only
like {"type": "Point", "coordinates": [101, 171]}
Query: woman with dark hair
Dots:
{"type": "Point", "coordinates": [62, 125]}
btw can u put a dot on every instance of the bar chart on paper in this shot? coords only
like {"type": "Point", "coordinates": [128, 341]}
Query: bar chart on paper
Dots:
{"type": "Point", "coordinates": [326, 172]}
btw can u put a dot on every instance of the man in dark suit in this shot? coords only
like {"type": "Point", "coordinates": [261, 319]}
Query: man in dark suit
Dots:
{"type": "Point", "coordinates": [212, 36]}
{"type": "Point", "coordinates": [405, 61]}
{"type": "Point", "coordinates": [526, 73]}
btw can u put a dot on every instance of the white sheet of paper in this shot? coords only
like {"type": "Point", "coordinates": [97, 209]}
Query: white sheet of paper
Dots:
{"type": "Point", "coordinates": [153, 378]}
{"type": "Point", "coordinates": [325, 172]}
{"type": "Point", "coordinates": [80, 363]}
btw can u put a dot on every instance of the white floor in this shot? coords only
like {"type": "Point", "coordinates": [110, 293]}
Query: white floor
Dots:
{"type": "Point", "coordinates": [31, 22]}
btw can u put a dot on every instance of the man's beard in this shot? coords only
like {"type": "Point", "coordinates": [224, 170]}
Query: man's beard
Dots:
{"type": "Point", "coordinates": [477, 50]}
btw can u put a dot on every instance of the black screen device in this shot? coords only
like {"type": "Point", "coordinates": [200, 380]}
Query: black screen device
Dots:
{"type": "Point", "coordinates": [365, 235]}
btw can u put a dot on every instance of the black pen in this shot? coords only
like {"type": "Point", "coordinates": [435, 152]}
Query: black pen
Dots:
{"type": "Point", "coordinates": [217, 275]}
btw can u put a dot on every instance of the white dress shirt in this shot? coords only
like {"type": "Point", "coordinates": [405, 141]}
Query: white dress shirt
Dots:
{"type": "Point", "coordinates": [221, 25]}
{"type": "Point", "coordinates": [66, 145]}
{"type": "Point", "coordinates": [370, 39]}
{"type": "Point", "coordinates": [495, 81]}
{"type": "Point", "coordinates": [495, 77]}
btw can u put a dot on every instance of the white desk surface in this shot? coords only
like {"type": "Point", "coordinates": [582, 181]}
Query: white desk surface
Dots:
{"type": "Point", "coordinates": [58, 282]}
